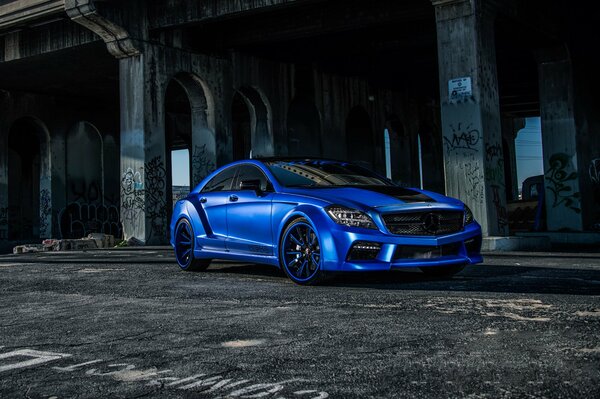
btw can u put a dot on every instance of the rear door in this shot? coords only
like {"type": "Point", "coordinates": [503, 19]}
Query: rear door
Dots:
{"type": "Point", "coordinates": [249, 215]}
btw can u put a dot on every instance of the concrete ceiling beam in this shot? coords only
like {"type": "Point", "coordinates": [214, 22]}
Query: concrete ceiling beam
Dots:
{"type": "Point", "coordinates": [118, 41]}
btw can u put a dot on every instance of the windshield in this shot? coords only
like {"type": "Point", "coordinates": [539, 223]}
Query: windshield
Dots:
{"type": "Point", "coordinates": [321, 173]}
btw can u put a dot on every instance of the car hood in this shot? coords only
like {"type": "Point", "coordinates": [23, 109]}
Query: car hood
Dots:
{"type": "Point", "coordinates": [381, 198]}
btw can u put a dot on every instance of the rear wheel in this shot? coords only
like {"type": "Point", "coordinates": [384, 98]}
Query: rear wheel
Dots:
{"type": "Point", "coordinates": [300, 253]}
{"type": "Point", "coordinates": [442, 271]}
{"type": "Point", "coordinates": [184, 248]}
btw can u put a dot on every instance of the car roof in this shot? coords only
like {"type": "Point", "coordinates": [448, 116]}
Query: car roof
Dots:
{"type": "Point", "coordinates": [291, 159]}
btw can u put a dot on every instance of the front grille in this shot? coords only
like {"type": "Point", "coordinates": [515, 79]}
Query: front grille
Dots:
{"type": "Point", "coordinates": [427, 223]}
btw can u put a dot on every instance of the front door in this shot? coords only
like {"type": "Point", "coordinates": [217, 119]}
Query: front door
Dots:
{"type": "Point", "coordinates": [211, 204]}
{"type": "Point", "coordinates": [249, 215]}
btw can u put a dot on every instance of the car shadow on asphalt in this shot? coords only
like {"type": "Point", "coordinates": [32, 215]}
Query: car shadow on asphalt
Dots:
{"type": "Point", "coordinates": [486, 278]}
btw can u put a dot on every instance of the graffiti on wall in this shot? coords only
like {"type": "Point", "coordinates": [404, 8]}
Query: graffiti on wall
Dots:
{"type": "Point", "coordinates": [465, 138]}
{"type": "Point", "coordinates": [45, 212]}
{"type": "Point", "coordinates": [89, 211]}
{"type": "Point", "coordinates": [79, 219]}
{"type": "Point", "coordinates": [464, 142]}
{"type": "Point", "coordinates": [3, 222]}
{"type": "Point", "coordinates": [202, 165]}
{"type": "Point", "coordinates": [494, 169]}
{"type": "Point", "coordinates": [501, 211]}
{"type": "Point", "coordinates": [594, 171]}
{"type": "Point", "coordinates": [146, 202]}
{"type": "Point", "coordinates": [560, 173]}
{"type": "Point", "coordinates": [494, 173]}
{"type": "Point", "coordinates": [132, 197]}
{"type": "Point", "coordinates": [156, 196]}
{"type": "Point", "coordinates": [474, 188]}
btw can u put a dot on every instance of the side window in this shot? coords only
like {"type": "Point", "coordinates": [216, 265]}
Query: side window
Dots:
{"type": "Point", "coordinates": [250, 172]}
{"type": "Point", "coordinates": [221, 182]}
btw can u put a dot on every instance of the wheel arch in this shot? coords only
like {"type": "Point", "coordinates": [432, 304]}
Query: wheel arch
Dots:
{"type": "Point", "coordinates": [320, 222]}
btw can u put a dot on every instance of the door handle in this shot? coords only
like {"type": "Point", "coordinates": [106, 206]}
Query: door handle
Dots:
{"type": "Point", "coordinates": [233, 198]}
{"type": "Point", "coordinates": [203, 200]}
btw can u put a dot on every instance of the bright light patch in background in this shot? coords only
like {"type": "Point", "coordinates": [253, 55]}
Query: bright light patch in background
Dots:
{"type": "Point", "coordinates": [180, 171]}
{"type": "Point", "coordinates": [420, 161]}
{"type": "Point", "coordinates": [528, 148]}
{"type": "Point", "coordinates": [388, 154]}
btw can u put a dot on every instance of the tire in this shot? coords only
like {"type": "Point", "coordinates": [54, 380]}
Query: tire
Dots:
{"type": "Point", "coordinates": [184, 248]}
{"type": "Point", "coordinates": [442, 271]}
{"type": "Point", "coordinates": [300, 254]}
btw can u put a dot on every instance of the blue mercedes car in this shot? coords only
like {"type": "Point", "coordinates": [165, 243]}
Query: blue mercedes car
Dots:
{"type": "Point", "coordinates": [312, 217]}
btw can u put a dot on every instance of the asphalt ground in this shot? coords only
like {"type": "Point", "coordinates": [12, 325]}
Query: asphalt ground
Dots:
{"type": "Point", "coordinates": [130, 324]}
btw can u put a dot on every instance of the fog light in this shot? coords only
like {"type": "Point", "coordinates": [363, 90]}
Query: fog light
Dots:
{"type": "Point", "coordinates": [473, 245]}
{"type": "Point", "coordinates": [364, 250]}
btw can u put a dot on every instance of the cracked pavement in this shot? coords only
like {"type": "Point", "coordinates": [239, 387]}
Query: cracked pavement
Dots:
{"type": "Point", "coordinates": [130, 324]}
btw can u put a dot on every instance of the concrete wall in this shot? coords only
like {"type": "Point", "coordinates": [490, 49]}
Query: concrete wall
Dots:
{"type": "Point", "coordinates": [60, 193]}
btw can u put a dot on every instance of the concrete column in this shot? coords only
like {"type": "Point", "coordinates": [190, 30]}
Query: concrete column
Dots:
{"type": "Point", "coordinates": [59, 177]}
{"type": "Point", "coordinates": [5, 110]}
{"type": "Point", "coordinates": [510, 129]}
{"type": "Point", "coordinates": [143, 171]}
{"type": "Point", "coordinates": [3, 171]}
{"type": "Point", "coordinates": [473, 158]}
{"type": "Point", "coordinates": [559, 141]}
{"type": "Point", "coordinates": [133, 130]}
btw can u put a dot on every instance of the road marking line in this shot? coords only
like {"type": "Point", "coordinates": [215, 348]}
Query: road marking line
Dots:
{"type": "Point", "coordinates": [181, 381]}
{"type": "Point", "coordinates": [277, 386]}
{"type": "Point", "coordinates": [208, 381]}
{"type": "Point", "coordinates": [76, 366]}
{"type": "Point", "coordinates": [222, 385]}
{"type": "Point", "coordinates": [39, 357]}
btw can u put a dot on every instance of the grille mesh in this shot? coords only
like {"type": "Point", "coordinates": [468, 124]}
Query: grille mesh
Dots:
{"type": "Point", "coordinates": [428, 223]}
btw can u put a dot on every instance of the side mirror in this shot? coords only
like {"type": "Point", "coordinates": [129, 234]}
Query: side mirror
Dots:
{"type": "Point", "coordinates": [253, 185]}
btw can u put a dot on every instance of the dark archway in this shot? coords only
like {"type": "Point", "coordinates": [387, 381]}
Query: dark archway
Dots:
{"type": "Point", "coordinates": [304, 128]}
{"type": "Point", "coordinates": [400, 151]}
{"type": "Point", "coordinates": [29, 211]}
{"type": "Point", "coordinates": [92, 191]}
{"type": "Point", "coordinates": [251, 123]}
{"type": "Point", "coordinates": [359, 138]}
{"type": "Point", "coordinates": [178, 140]}
{"type": "Point", "coordinates": [431, 158]}
{"type": "Point", "coordinates": [241, 126]}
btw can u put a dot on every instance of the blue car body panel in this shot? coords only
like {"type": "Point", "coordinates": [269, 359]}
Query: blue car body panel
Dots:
{"type": "Point", "coordinates": [247, 226]}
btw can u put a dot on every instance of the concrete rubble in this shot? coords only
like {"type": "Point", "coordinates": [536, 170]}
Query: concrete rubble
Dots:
{"type": "Point", "coordinates": [92, 241]}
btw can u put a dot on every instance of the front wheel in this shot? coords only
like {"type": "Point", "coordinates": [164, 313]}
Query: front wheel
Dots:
{"type": "Point", "coordinates": [300, 253]}
{"type": "Point", "coordinates": [442, 271]}
{"type": "Point", "coordinates": [184, 248]}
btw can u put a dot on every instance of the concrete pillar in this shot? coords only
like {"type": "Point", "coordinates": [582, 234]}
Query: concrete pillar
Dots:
{"type": "Point", "coordinates": [510, 129]}
{"type": "Point", "coordinates": [59, 176]}
{"type": "Point", "coordinates": [473, 158]}
{"type": "Point", "coordinates": [559, 141]}
{"type": "Point", "coordinates": [145, 197]}
{"type": "Point", "coordinates": [3, 168]}
{"type": "Point", "coordinates": [143, 172]}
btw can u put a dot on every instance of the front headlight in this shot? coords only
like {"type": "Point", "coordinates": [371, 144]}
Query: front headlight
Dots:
{"type": "Point", "coordinates": [468, 216]}
{"type": "Point", "coordinates": [350, 217]}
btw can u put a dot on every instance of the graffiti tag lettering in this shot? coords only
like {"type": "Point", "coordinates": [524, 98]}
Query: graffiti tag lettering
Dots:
{"type": "Point", "coordinates": [558, 177]}
{"type": "Point", "coordinates": [80, 219]}
{"type": "Point", "coordinates": [501, 212]}
{"type": "Point", "coordinates": [462, 139]}
{"type": "Point", "coordinates": [594, 171]}
{"type": "Point", "coordinates": [45, 212]}
{"type": "Point", "coordinates": [201, 164]}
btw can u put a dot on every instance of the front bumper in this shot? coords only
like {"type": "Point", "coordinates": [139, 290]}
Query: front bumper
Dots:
{"type": "Point", "coordinates": [428, 251]}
